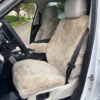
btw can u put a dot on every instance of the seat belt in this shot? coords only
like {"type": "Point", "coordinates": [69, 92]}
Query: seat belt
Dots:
{"type": "Point", "coordinates": [71, 64]}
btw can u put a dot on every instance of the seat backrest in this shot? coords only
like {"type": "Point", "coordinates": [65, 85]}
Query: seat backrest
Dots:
{"type": "Point", "coordinates": [49, 23]}
{"type": "Point", "coordinates": [67, 36]}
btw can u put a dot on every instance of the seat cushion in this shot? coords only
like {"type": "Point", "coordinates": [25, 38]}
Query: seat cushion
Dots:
{"type": "Point", "coordinates": [32, 76]}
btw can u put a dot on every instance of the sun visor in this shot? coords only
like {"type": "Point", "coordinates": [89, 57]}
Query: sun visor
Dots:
{"type": "Point", "coordinates": [7, 5]}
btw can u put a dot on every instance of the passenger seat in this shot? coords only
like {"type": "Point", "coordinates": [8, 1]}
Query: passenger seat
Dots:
{"type": "Point", "coordinates": [33, 77]}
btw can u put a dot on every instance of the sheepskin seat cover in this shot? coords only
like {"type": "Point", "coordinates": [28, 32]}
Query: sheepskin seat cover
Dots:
{"type": "Point", "coordinates": [64, 42]}
{"type": "Point", "coordinates": [49, 24]}
{"type": "Point", "coordinates": [32, 76]}
{"type": "Point", "coordinates": [39, 47]}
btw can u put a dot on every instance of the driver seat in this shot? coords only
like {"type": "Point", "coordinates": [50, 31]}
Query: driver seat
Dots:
{"type": "Point", "coordinates": [32, 77]}
{"type": "Point", "coordinates": [49, 24]}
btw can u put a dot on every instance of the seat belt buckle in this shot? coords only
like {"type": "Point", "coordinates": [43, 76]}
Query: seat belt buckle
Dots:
{"type": "Point", "coordinates": [69, 70]}
{"type": "Point", "coordinates": [71, 66]}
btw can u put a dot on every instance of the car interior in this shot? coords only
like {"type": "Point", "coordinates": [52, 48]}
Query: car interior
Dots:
{"type": "Point", "coordinates": [38, 71]}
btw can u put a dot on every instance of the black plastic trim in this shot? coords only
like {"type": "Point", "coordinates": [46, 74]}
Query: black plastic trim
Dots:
{"type": "Point", "coordinates": [42, 41]}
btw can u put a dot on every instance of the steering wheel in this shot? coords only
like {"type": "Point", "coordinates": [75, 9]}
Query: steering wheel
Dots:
{"type": "Point", "coordinates": [15, 36]}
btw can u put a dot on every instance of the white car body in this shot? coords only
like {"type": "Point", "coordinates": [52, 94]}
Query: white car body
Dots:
{"type": "Point", "coordinates": [92, 86]}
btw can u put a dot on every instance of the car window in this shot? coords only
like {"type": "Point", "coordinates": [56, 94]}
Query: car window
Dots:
{"type": "Point", "coordinates": [21, 18]}
{"type": "Point", "coordinates": [60, 7]}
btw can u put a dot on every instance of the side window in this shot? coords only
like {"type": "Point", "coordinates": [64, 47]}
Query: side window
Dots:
{"type": "Point", "coordinates": [60, 8]}
{"type": "Point", "coordinates": [22, 16]}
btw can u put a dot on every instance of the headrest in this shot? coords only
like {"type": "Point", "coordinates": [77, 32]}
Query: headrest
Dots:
{"type": "Point", "coordinates": [50, 12]}
{"type": "Point", "coordinates": [75, 8]}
